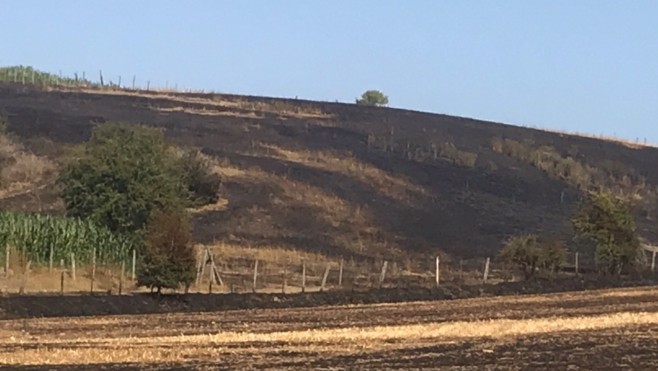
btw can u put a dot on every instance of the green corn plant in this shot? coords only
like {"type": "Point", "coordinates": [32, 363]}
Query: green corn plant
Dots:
{"type": "Point", "coordinates": [33, 236]}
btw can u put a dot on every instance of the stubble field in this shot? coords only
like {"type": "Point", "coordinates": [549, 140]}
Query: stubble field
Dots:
{"type": "Point", "coordinates": [603, 329]}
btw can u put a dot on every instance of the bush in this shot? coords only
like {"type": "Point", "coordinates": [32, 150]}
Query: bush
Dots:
{"type": "Point", "coordinates": [372, 98]}
{"type": "Point", "coordinates": [606, 220]}
{"type": "Point", "coordinates": [522, 251]}
{"type": "Point", "coordinates": [202, 183]}
{"type": "Point", "coordinates": [169, 259]}
{"type": "Point", "coordinates": [530, 255]}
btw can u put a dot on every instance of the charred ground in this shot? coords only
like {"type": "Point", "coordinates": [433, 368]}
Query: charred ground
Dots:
{"type": "Point", "coordinates": [344, 179]}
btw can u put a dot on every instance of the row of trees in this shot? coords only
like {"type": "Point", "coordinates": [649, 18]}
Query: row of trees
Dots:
{"type": "Point", "coordinates": [129, 180]}
{"type": "Point", "coordinates": [603, 221]}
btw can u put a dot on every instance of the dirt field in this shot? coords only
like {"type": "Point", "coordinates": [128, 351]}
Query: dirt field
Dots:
{"type": "Point", "coordinates": [604, 329]}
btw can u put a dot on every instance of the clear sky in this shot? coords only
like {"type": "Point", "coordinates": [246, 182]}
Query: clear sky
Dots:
{"type": "Point", "coordinates": [585, 66]}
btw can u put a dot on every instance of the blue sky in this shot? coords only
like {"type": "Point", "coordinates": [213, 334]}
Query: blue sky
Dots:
{"type": "Point", "coordinates": [585, 66]}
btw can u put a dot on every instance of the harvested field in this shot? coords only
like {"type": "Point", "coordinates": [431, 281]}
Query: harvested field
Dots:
{"type": "Point", "coordinates": [602, 329]}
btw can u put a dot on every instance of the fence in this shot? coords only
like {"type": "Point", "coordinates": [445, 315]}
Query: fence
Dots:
{"type": "Point", "coordinates": [29, 76]}
{"type": "Point", "coordinates": [218, 274]}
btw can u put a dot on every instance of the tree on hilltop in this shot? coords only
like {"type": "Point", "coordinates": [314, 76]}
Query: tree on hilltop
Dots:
{"type": "Point", "coordinates": [372, 98]}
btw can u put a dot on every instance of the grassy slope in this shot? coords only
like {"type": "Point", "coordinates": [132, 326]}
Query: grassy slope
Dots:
{"type": "Point", "coordinates": [338, 178]}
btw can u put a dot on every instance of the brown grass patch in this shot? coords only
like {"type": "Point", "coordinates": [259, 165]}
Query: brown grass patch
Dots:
{"type": "Point", "coordinates": [394, 187]}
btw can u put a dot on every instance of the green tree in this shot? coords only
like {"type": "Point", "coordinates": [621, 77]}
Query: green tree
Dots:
{"type": "Point", "coordinates": [169, 259]}
{"type": "Point", "coordinates": [124, 172]}
{"type": "Point", "coordinates": [606, 220]}
{"type": "Point", "coordinates": [523, 252]}
{"type": "Point", "coordinates": [531, 255]}
{"type": "Point", "coordinates": [372, 98]}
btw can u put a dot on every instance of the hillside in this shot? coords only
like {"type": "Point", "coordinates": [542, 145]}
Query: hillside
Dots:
{"type": "Point", "coordinates": [342, 179]}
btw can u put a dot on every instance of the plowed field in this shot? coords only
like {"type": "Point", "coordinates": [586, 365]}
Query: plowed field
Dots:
{"type": "Point", "coordinates": [604, 329]}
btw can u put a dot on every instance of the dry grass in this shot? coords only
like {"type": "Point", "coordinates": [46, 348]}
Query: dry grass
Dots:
{"type": "Point", "coordinates": [394, 187]}
{"type": "Point", "coordinates": [271, 254]}
{"type": "Point", "coordinates": [21, 170]}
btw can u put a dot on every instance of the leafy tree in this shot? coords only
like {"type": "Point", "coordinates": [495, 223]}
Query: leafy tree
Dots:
{"type": "Point", "coordinates": [124, 172]}
{"type": "Point", "coordinates": [202, 183]}
{"type": "Point", "coordinates": [523, 252]}
{"type": "Point", "coordinates": [169, 259]}
{"type": "Point", "coordinates": [606, 220]}
{"type": "Point", "coordinates": [551, 255]}
{"type": "Point", "coordinates": [531, 255]}
{"type": "Point", "coordinates": [372, 98]}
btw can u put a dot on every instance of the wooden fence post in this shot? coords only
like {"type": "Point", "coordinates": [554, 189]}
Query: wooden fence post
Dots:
{"type": "Point", "coordinates": [215, 274]}
{"type": "Point", "coordinates": [211, 278]}
{"type": "Point", "coordinates": [201, 267]}
{"type": "Point", "coordinates": [303, 275]}
{"type": "Point", "coordinates": [93, 270]}
{"type": "Point", "coordinates": [461, 270]}
{"type": "Point", "coordinates": [437, 271]}
{"type": "Point", "coordinates": [73, 266]}
{"type": "Point", "coordinates": [653, 261]}
{"type": "Point", "coordinates": [283, 281]}
{"type": "Point", "coordinates": [123, 271]}
{"type": "Point", "coordinates": [340, 273]}
{"type": "Point", "coordinates": [61, 283]}
{"type": "Point", "coordinates": [7, 261]}
{"type": "Point", "coordinates": [486, 270]}
{"type": "Point", "coordinates": [382, 276]}
{"type": "Point", "coordinates": [255, 275]}
{"type": "Point", "coordinates": [50, 259]}
{"type": "Point", "coordinates": [576, 264]}
{"type": "Point", "coordinates": [26, 272]}
{"type": "Point", "coordinates": [324, 277]}
{"type": "Point", "coordinates": [133, 266]}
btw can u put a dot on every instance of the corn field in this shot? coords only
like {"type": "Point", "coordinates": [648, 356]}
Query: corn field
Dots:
{"type": "Point", "coordinates": [34, 236]}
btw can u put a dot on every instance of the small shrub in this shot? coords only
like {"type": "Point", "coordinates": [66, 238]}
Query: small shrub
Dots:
{"type": "Point", "coordinates": [523, 252]}
{"type": "Point", "coordinates": [202, 184]}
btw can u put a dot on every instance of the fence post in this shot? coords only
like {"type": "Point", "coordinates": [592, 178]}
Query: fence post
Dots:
{"type": "Point", "coordinates": [437, 271]}
{"type": "Point", "coordinates": [283, 280]}
{"type": "Point", "coordinates": [653, 261]}
{"type": "Point", "coordinates": [324, 277]}
{"type": "Point", "coordinates": [123, 271]}
{"type": "Point", "coordinates": [198, 267]}
{"type": "Point", "coordinates": [340, 273]}
{"type": "Point", "coordinates": [7, 261]}
{"type": "Point", "coordinates": [576, 263]}
{"type": "Point", "coordinates": [461, 270]}
{"type": "Point", "coordinates": [255, 275]}
{"type": "Point", "coordinates": [50, 259]}
{"type": "Point", "coordinates": [61, 283]}
{"type": "Point", "coordinates": [21, 290]}
{"type": "Point", "coordinates": [486, 270]}
{"type": "Point", "coordinates": [93, 270]}
{"type": "Point", "coordinates": [383, 274]}
{"type": "Point", "coordinates": [133, 266]}
{"type": "Point", "coordinates": [303, 275]}
{"type": "Point", "coordinates": [202, 266]}
{"type": "Point", "coordinates": [73, 266]}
